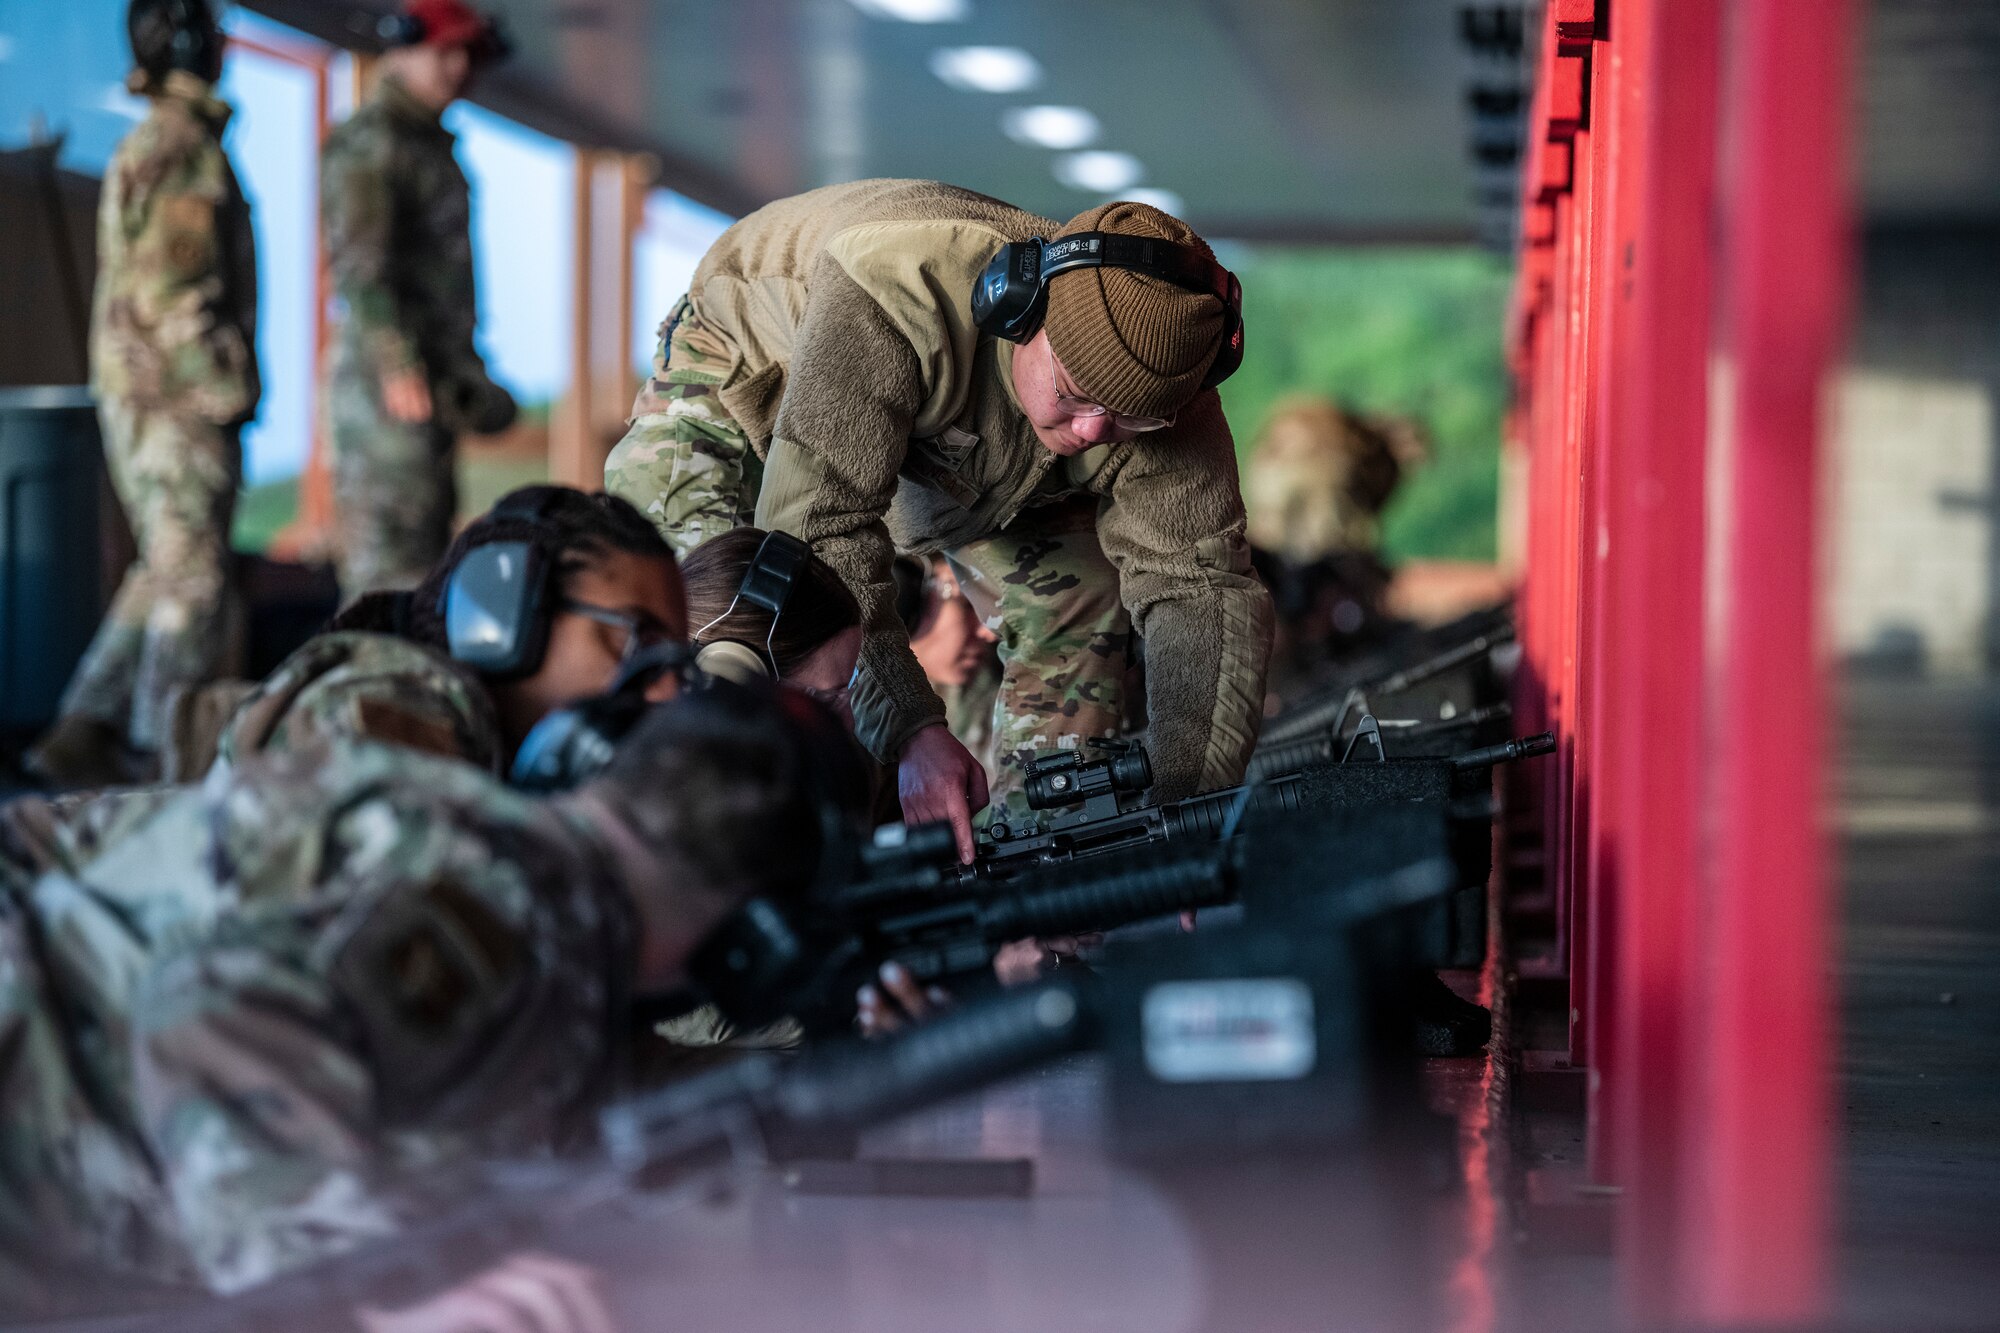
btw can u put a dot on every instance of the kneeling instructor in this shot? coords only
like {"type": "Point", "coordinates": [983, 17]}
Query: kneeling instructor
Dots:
{"type": "Point", "coordinates": [904, 364]}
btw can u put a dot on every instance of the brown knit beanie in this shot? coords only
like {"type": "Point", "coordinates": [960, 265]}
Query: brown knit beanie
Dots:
{"type": "Point", "coordinates": [1135, 343]}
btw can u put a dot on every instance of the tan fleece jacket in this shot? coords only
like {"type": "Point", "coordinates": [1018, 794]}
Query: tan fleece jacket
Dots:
{"type": "Point", "coordinates": [887, 420]}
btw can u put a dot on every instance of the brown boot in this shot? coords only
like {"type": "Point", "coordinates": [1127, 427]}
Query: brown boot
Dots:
{"type": "Point", "coordinates": [79, 751]}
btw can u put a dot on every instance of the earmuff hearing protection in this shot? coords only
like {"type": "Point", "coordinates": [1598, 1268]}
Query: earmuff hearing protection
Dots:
{"type": "Point", "coordinates": [496, 603]}
{"type": "Point", "coordinates": [571, 745]}
{"type": "Point", "coordinates": [1011, 297]}
{"type": "Point", "coordinates": [766, 583]}
{"type": "Point", "coordinates": [400, 30]}
{"type": "Point", "coordinates": [194, 33]}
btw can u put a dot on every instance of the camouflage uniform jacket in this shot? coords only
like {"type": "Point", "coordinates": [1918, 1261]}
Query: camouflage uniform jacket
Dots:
{"type": "Point", "coordinates": [277, 1018]}
{"type": "Point", "coordinates": [174, 320]}
{"type": "Point", "coordinates": [359, 684]}
{"type": "Point", "coordinates": [348, 685]}
{"type": "Point", "coordinates": [396, 218]}
{"type": "Point", "coordinates": [888, 421]}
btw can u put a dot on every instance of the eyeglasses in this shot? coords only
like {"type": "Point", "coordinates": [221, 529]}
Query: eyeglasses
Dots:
{"type": "Point", "coordinates": [641, 631]}
{"type": "Point", "coordinates": [1077, 406]}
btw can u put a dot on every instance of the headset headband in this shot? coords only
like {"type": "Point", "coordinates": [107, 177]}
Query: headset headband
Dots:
{"type": "Point", "coordinates": [1011, 297]}
{"type": "Point", "coordinates": [193, 22]}
{"type": "Point", "coordinates": [1181, 265]}
{"type": "Point", "coordinates": [767, 583]}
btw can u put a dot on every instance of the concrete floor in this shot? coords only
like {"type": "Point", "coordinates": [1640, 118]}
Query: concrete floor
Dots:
{"type": "Point", "coordinates": [1915, 804]}
{"type": "Point", "coordinates": [1920, 978]}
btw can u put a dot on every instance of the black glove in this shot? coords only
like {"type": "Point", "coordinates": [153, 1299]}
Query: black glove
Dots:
{"type": "Point", "coordinates": [478, 405]}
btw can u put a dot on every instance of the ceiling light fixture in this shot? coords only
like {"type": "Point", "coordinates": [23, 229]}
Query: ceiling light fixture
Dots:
{"type": "Point", "coordinates": [1099, 171]}
{"type": "Point", "coordinates": [986, 69]}
{"type": "Point", "coordinates": [1059, 127]}
{"type": "Point", "coordinates": [1164, 200]}
{"type": "Point", "coordinates": [916, 11]}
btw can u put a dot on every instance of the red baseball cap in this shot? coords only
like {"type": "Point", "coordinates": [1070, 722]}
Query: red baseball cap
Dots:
{"type": "Point", "coordinates": [450, 22]}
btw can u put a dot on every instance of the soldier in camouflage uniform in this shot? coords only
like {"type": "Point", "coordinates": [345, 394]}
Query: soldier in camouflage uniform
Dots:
{"type": "Point", "coordinates": [282, 1015]}
{"type": "Point", "coordinates": [380, 676]}
{"type": "Point", "coordinates": [1315, 486]}
{"type": "Point", "coordinates": [824, 377]}
{"type": "Point", "coordinates": [403, 377]}
{"type": "Point", "coordinates": [1320, 477]}
{"type": "Point", "coordinates": [173, 363]}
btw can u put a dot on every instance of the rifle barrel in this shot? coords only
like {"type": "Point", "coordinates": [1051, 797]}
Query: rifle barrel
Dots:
{"type": "Point", "coordinates": [1506, 752]}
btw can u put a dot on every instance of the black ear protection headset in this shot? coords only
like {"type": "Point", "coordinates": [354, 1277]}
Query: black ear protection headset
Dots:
{"type": "Point", "coordinates": [405, 29]}
{"type": "Point", "coordinates": [766, 583]}
{"type": "Point", "coordinates": [496, 604]}
{"type": "Point", "coordinates": [195, 36]}
{"type": "Point", "coordinates": [1012, 296]}
{"type": "Point", "coordinates": [571, 745]}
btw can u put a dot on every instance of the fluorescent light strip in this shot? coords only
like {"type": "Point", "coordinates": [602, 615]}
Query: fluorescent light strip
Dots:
{"type": "Point", "coordinates": [1060, 127]}
{"type": "Point", "coordinates": [916, 11]}
{"type": "Point", "coordinates": [1099, 171]}
{"type": "Point", "coordinates": [986, 69]}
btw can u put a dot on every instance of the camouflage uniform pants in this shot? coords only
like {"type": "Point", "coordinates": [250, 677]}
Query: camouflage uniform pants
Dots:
{"type": "Point", "coordinates": [173, 621]}
{"type": "Point", "coordinates": [684, 462]}
{"type": "Point", "coordinates": [1046, 588]}
{"type": "Point", "coordinates": [394, 491]}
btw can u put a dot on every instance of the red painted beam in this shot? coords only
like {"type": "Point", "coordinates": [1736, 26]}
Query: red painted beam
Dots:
{"type": "Point", "coordinates": [1568, 101]}
{"type": "Point", "coordinates": [1759, 1222]}
{"type": "Point", "coordinates": [1574, 22]}
{"type": "Point", "coordinates": [1608, 721]}
{"type": "Point", "coordinates": [1655, 626]}
{"type": "Point", "coordinates": [1556, 166]}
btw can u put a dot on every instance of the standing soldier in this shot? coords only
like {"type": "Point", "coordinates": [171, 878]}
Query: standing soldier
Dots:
{"type": "Point", "coordinates": [173, 363]}
{"type": "Point", "coordinates": [404, 378]}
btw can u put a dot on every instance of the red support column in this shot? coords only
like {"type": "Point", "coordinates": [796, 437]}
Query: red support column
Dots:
{"type": "Point", "coordinates": [1758, 1226]}
{"type": "Point", "coordinates": [1655, 631]}
{"type": "Point", "coordinates": [1617, 100]}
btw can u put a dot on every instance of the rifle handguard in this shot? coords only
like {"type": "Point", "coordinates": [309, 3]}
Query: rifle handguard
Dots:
{"type": "Point", "coordinates": [975, 1042]}
{"type": "Point", "coordinates": [1112, 900]}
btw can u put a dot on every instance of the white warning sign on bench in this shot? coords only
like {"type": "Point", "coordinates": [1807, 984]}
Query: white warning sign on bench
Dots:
{"type": "Point", "coordinates": [1235, 1030]}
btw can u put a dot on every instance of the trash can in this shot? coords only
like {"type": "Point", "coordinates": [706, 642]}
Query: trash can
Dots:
{"type": "Point", "coordinates": [51, 597]}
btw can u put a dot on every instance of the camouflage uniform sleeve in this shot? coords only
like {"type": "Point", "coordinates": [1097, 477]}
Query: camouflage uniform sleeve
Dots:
{"type": "Point", "coordinates": [358, 226]}
{"type": "Point", "coordinates": [258, 1110]}
{"type": "Point", "coordinates": [361, 685]}
{"type": "Point", "coordinates": [63, 833]}
{"type": "Point", "coordinates": [836, 451]}
{"type": "Point", "coordinates": [1172, 523]}
{"type": "Point", "coordinates": [171, 283]}
{"type": "Point", "coordinates": [420, 979]}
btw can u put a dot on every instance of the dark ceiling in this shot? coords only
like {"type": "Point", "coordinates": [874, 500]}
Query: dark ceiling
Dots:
{"type": "Point", "coordinates": [1311, 120]}
{"type": "Point", "coordinates": [1335, 119]}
